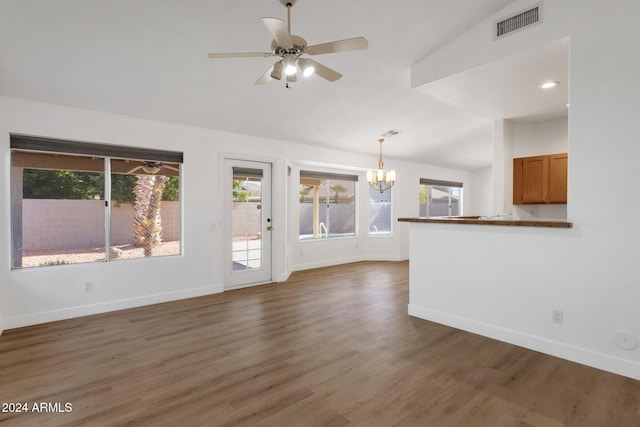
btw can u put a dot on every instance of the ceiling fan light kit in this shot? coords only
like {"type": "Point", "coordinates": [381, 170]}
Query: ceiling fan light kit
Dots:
{"type": "Point", "coordinates": [306, 66]}
{"type": "Point", "coordinates": [276, 73]}
{"type": "Point", "coordinates": [290, 49]}
{"type": "Point", "coordinates": [151, 169]}
{"type": "Point", "coordinates": [290, 68]}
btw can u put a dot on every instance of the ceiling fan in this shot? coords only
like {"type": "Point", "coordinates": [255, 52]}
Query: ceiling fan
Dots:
{"type": "Point", "coordinates": [152, 168]}
{"type": "Point", "coordinates": [290, 49]}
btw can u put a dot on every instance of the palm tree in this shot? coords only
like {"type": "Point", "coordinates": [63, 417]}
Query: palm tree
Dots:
{"type": "Point", "coordinates": [147, 226]}
{"type": "Point", "coordinates": [425, 198]}
{"type": "Point", "coordinates": [304, 191]}
{"type": "Point", "coordinates": [338, 189]}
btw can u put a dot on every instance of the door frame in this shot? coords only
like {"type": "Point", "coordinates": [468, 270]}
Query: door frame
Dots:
{"type": "Point", "coordinates": [264, 275]}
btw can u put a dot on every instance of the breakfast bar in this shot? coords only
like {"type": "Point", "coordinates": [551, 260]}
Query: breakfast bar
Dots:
{"type": "Point", "coordinates": [491, 276]}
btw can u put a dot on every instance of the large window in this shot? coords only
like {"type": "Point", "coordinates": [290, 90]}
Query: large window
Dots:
{"type": "Point", "coordinates": [75, 202]}
{"type": "Point", "coordinates": [327, 205]}
{"type": "Point", "coordinates": [440, 198]}
{"type": "Point", "coordinates": [379, 213]}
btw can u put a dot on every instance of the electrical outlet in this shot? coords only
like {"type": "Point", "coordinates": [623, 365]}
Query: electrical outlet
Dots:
{"type": "Point", "coordinates": [88, 287]}
{"type": "Point", "coordinates": [557, 316]}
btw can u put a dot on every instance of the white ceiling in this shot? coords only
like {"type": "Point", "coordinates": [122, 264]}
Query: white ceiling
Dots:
{"type": "Point", "coordinates": [509, 88]}
{"type": "Point", "coordinates": [148, 59]}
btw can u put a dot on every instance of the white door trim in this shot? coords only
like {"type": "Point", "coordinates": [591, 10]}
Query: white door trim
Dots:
{"type": "Point", "coordinates": [234, 279]}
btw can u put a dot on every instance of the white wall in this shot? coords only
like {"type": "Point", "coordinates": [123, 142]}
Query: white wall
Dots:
{"type": "Point", "coordinates": [502, 167]}
{"type": "Point", "coordinates": [540, 137]}
{"type": "Point", "coordinates": [513, 278]}
{"type": "Point", "coordinates": [30, 296]}
{"type": "Point", "coordinates": [481, 198]}
{"type": "Point", "coordinates": [477, 47]}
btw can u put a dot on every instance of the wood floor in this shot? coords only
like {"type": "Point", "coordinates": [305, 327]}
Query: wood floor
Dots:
{"type": "Point", "coordinates": [330, 347]}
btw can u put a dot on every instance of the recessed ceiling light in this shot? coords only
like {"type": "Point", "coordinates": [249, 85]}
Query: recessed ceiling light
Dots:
{"type": "Point", "coordinates": [549, 85]}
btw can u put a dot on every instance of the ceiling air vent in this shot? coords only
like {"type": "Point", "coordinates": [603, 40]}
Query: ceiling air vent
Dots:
{"type": "Point", "coordinates": [390, 133]}
{"type": "Point", "coordinates": [518, 21]}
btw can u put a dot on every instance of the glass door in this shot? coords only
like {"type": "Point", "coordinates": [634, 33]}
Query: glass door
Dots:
{"type": "Point", "coordinates": [249, 223]}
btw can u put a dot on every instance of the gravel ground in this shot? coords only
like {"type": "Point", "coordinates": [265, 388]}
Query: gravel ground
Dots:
{"type": "Point", "coordinates": [73, 256]}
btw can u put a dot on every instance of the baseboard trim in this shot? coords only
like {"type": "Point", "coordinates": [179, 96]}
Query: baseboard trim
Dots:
{"type": "Point", "coordinates": [349, 260]}
{"type": "Point", "coordinates": [395, 258]}
{"type": "Point", "coordinates": [247, 285]}
{"type": "Point", "coordinates": [282, 277]}
{"type": "Point", "coordinates": [554, 348]}
{"type": "Point", "coordinates": [105, 307]}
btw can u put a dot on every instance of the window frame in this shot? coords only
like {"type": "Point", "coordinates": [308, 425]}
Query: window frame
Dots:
{"type": "Point", "coordinates": [427, 182]}
{"type": "Point", "coordinates": [315, 175]}
{"type": "Point", "coordinates": [106, 153]}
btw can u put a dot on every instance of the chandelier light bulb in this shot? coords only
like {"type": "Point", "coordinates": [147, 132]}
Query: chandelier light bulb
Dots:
{"type": "Point", "coordinates": [391, 176]}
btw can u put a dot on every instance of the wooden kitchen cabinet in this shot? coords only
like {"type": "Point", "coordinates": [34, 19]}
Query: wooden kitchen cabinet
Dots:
{"type": "Point", "coordinates": [540, 179]}
{"type": "Point", "coordinates": [558, 167]}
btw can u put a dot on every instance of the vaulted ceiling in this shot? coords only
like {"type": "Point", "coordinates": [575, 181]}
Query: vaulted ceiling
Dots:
{"type": "Point", "coordinates": [148, 59]}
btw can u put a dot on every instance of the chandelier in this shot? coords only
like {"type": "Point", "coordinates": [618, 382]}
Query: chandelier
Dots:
{"type": "Point", "coordinates": [380, 179]}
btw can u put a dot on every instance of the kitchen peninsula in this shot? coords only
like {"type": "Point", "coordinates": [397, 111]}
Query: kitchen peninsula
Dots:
{"type": "Point", "coordinates": [485, 276]}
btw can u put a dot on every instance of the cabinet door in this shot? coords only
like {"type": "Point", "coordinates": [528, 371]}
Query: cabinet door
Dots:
{"type": "Point", "coordinates": [517, 181]}
{"type": "Point", "coordinates": [535, 184]}
{"type": "Point", "coordinates": [558, 178]}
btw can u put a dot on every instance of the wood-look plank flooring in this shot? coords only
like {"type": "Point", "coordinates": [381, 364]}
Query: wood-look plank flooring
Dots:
{"type": "Point", "coordinates": [330, 347]}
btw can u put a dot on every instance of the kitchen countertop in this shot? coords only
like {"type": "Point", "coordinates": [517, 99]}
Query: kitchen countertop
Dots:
{"type": "Point", "coordinates": [476, 220]}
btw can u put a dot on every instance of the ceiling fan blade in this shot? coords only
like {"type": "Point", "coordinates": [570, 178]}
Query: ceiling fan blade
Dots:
{"type": "Point", "coordinates": [173, 168]}
{"type": "Point", "coordinates": [346, 45]}
{"type": "Point", "coordinates": [133, 170]}
{"type": "Point", "coordinates": [168, 171]}
{"type": "Point", "coordinates": [278, 29]}
{"type": "Point", "coordinates": [265, 78]}
{"type": "Point", "coordinates": [324, 72]}
{"type": "Point", "coordinates": [240, 55]}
